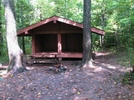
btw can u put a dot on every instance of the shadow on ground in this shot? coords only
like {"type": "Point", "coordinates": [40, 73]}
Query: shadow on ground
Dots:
{"type": "Point", "coordinates": [99, 83]}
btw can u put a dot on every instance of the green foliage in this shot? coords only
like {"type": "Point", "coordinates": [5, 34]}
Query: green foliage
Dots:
{"type": "Point", "coordinates": [66, 8]}
{"type": "Point", "coordinates": [1, 28]}
{"type": "Point", "coordinates": [96, 43]}
{"type": "Point", "coordinates": [24, 13]}
{"type": "Point", "coordinates": [123, 61]}
{"type": "Point", "coordinates": [4, 59]}
{"type": "Point", "coordinates": [27, 45]}
{"type": "Point", "coordinates": [127, 58]}
{"type": "Point", "coordinates": [131, 57]}
{"type": "Point", "coordinates": [128, 78]}
{"type": "Point", "coordinates": [109, 40]}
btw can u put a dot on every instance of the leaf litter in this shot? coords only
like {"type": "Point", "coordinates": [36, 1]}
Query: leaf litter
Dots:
{"type": "Point", "coordinates": [45, 83]}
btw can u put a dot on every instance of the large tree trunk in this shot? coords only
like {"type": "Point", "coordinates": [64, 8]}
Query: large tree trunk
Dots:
{"type": "Point", "coordinates": [1, 36]}
{"type": "Point", "coordinates": [102, 22]}
{"type": "Point", "coordinates": [14, 51]}
{"type": "Point", "coordinates": [87, 42]}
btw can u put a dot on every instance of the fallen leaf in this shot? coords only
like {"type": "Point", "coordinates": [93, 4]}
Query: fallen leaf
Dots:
{"type": "Point", "coordinates": [11, 75]}
{"type": "Point", "coordinates": [47, 87]}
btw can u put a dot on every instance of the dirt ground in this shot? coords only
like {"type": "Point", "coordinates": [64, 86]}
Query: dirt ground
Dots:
{"type": "Point", "coordinates": [101, 82]}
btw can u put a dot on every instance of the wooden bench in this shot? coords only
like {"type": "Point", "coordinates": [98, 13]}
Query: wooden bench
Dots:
{"type": "Point", "coordinates": [43, 58]}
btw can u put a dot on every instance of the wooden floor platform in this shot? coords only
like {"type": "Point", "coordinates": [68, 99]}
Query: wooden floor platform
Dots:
{"type": "Point", "coordinates": [56, 55]}
{"type": "Point", "coordinates": [53, 57]}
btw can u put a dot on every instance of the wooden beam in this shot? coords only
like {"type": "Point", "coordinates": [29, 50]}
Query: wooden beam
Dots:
{"type": "Point", "coordinates": [70, 55]}
{"type": "Point", "coordinates": [59, 44]}
{"type": "Point", "coordinates": [54, 21]}
{"type": "Point", "coordinates": [56, 32]}
{"type": "Point", "coordinates": [98, 31]}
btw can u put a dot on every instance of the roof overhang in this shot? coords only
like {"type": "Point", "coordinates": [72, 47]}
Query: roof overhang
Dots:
{"type": "Point", "coordinates": [24, 31]}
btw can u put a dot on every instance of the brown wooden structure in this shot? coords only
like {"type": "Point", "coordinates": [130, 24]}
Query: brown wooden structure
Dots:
{"type": "Point", "coordinates": [56, 37]}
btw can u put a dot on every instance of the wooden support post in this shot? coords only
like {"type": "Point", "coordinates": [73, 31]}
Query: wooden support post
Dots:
{"type": "Point", "coordinates": [59, 45]}
{"type": "Point", "coordinates": [59, 42]}
{"type": "Point", "coordinates": [33, 44]}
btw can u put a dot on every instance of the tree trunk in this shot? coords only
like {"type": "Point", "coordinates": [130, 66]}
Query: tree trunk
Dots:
{"type": "Point", "coordinates": [103, 10]}
{"type": "Point", "coordinates": [87, 38]}
{"type": "Point", "coordinates": [14, 51]}
{"type": "Point", "coordinates": [117, 40]}
{"type": "Point", "coordinates": [23, 44]}
{"type": "Point", "coordinates": [1, 36]}
{"type": "Point", "coordinates": [103, 25]}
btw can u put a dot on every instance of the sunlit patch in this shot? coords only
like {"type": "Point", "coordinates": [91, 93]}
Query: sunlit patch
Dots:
{"type": "Point", "coordinates": [74, 24]}
{"type": "Point", "coordinates": [52, 3]}
{"type": "Point", "coordinates": [3, 72]}
{"type": "Point", "coordinates": [102, 54]}
{"type": "Point", "coordinates": [111, 67]}
{"type": "Point", "coordinates": [81, 98]}
{"type": "Point", "coordinates": [29, 68]}
{"type": "Point", "coordinates": [98, 69]}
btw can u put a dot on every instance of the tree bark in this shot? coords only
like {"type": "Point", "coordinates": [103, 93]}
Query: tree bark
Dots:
{"type": "Point", "coordinates": [14, 51]}
{"type": "Point", "coordinates": [103, 25]}
{"type": "Point", "coordinates": [23, 44]}
{"type": "Point", "coordinates": [87, 38]}
{"type": "Point", "coordinates": [1, 36]}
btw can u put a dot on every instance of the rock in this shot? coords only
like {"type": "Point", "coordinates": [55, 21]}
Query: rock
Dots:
{"type": "Point", "coordinates": [63, 68]}
{"type": "Point", "coordinates": [57, 69]}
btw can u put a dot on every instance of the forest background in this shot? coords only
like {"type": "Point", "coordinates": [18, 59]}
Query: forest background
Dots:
{"type": "Point", "coordinates": [116, 17]}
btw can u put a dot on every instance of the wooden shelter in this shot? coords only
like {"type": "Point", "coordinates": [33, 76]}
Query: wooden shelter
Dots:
{"type": "Point", "coordinates": [56, 37]}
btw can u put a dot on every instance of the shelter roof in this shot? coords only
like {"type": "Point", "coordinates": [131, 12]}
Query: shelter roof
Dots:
{"type": "Point", "coordinates": [25, 30]}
